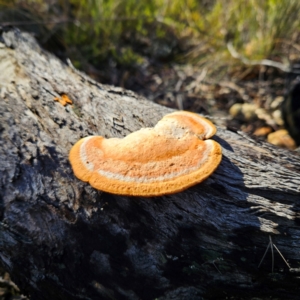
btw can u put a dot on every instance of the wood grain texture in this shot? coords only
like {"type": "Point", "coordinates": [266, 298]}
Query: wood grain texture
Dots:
{"type": "Point", "coordinates": [61, 239]}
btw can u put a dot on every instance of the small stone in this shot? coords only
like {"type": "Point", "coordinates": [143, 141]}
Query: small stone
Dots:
{"type": "Point", "coordinates": [244, 111]}
{"type": "Point", "coordinates": [277, 102]}
{"type": "Point", "coordinates": [282, 138]}
{"type": "Point", "coordinates": [278, 117]}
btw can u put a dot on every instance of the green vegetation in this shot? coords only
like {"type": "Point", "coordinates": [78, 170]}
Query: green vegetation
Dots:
{"type": "Point", "coordinates": [102, 33]}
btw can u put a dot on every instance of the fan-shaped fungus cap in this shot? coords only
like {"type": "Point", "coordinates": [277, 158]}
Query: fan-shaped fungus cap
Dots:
{"type": "Point", "coordinates": [166, 159]}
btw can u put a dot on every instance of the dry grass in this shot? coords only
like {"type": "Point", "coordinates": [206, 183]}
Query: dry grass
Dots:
{"type": "Point", "coordinates": [126, 34]}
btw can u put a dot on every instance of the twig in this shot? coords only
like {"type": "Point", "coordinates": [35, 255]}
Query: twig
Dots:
{"type": "Point", "coordinates": [282, 256]}
{"type": "Point", "coordinates": [213, 262]}
{"type": "Point", "coordinates": [264, 62]}
{"type": "Point", "coordinates": [271, 244]}
{"type": "Point", "coordinates": [272, 252]}
{"type": "Point", "coordinates": [216, 267]}
{"type": "Point", "coordinates": [264, 255]}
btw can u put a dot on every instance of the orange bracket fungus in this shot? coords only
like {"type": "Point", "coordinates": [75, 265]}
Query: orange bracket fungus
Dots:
{"type": "Point", "coordinates": [63, 100]}
{"type": "Point", "coordinates": [165, 159]}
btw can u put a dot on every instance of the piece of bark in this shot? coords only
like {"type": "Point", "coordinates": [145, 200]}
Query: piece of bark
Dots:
{"type": "Point", "coordinates": [61, 239]}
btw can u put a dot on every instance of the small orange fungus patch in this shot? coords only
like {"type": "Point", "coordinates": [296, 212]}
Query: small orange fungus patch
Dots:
{"type": "Point", "coordinates": [63, 100]}
{"type": "Point", "coordinates": [165, 159]}
{"type": "Point", "coordinates": [262, 131]}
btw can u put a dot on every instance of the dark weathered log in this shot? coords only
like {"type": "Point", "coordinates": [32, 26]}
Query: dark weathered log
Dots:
{"type": "Point", "coordinates": [61, 239]}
